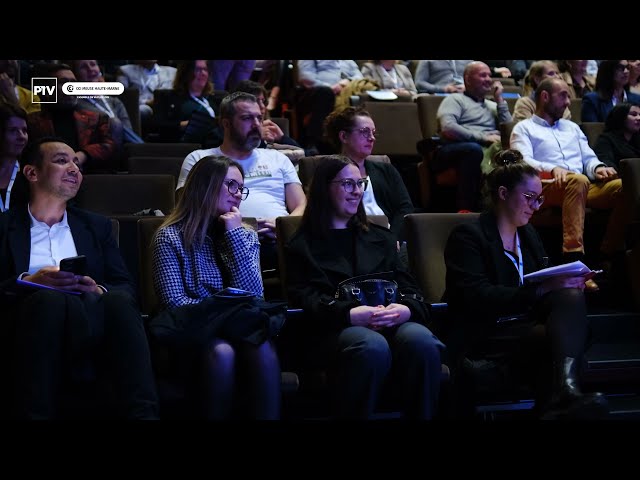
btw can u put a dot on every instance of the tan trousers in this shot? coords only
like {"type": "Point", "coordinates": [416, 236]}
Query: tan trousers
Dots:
{"type": "Point", "coordinates": [580, 193]}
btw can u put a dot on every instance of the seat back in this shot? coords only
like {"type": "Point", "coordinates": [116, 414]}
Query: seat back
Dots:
{"type": "Point", "coordinates": [130, 97]}
{"type": "Point", "coordinates": [126, 194]}
{"type": "Point", "coordinates": [630, 174]}
{"type": "Point", "coordinates": [428, 114]}
{"type": "Point", "coordinates": [398, 125]}
{"type": "Point", "coordinates": [307, 166]}
{"type": "Point", "coordinates": [427, 235]}
{"type": "Point", "coordinates": [576, 110]}
{"type": "Point", "coordinates": [505, 133]}
{"type": "Point", "coordinates": [283, 123]}
{"type": "Point", "coordinates": [156, 149]}
{"type": "Point", "coordinates": [115, 230]}
{"type": "Point", "coordinates": [155, 165]}
{"type": "Point", "coordinates": [592, 131]}
{"type": "Point", "coordinates": [147, 228]}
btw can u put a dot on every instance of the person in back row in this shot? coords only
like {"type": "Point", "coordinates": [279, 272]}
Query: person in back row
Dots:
{"type": "Point", "coordinates": [353, 132]}
{"type": "Point", "coordinates": [468, 124]}
{"type": "Point", "coordinates": [558, 147]}
{"type": "Point", "coordinates": [275, 187]}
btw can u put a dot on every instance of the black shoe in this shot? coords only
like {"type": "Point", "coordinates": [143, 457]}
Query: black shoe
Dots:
{"type": "Point", "coordinates": [590, 406]}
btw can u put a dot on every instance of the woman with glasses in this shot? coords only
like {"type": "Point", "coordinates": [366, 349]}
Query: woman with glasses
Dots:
{"type": "Point", "coordinates": [359, 345]}
{"type": "Point", "coordinates": [352, 132]}
{"type": "Point", "coordinates": [201, 248]}
{"type": "Point", "coordinates": [532, 331]}
{"type": "Point", "coordinates": [192, 99]}
{"type": "Point", "coordinates": [612, 88]}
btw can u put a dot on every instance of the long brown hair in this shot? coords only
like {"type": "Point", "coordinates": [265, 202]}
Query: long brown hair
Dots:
{"type": "Point", "coordinates": [316, 219]}
{"type": "Point", "coordinates": [196, 207]}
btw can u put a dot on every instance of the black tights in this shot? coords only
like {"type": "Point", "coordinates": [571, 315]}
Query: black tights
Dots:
{"type": "Point", "coordinates": [260, 379]}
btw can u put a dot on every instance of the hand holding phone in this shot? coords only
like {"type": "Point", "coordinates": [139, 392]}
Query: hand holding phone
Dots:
{"type": "Point", "coordinates": [76, 265]}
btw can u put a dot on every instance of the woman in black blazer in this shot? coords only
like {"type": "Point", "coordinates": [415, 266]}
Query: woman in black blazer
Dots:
{"type": "Point", "coordinates": [486, 261]}
{"type": "Point", "coordinates": [361, 345]}
{"type": "Point", "coordinates": [621, 136]}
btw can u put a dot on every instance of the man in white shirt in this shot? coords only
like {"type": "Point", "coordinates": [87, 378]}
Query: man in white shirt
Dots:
{"type": "Point", "coordinates": [65, 319]}
{"type": "Point", "coordinates": [559, 149]}
{"type": "Point", "coordinates": [274, 187]}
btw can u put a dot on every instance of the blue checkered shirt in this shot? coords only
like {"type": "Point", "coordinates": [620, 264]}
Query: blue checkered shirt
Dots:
{"type": "Point", "coordinates": [182, 277]}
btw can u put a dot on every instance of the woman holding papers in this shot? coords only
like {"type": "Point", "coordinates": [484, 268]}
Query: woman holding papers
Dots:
{"type": "Point", "coordinates": [486, 261]}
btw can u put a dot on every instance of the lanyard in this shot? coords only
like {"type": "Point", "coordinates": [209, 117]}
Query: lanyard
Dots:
{"type": "Point", "coordinates": [103, 107]}
{"type": "Point", "coordinates": [9, 187]}
{"type": "Point", "coordinates": [517, 262]}
{"type": "Point", "coordinates": [205, 104]}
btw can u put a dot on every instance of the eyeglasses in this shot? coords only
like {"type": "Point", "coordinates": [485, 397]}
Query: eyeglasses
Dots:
{"type": "Point", "coordinates": [366, 132]}
{"type": "Point", "coordinates": [234, 187]}
{"type": "Point", "coordinates": [622, 68]}
{"type": "Point", "coordinates": [533, 199]}
{"type": "Point", "coordinates": [349, 185]}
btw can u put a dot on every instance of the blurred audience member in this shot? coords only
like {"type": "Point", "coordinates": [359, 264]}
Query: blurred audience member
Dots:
{"type": "Point", "coordinates": [322, 80]}
{"type": "Point", "coordinates": [469, 126]}
{"type": "Point", "coordinates": [12, 92]}
{"type": "Point", "coordinates": [526, 105]}
{"type": "Point", "coordinates": [574, 73]}
{"type": "Point", "coordinates": [441, 76]}
{"type": "Point", "coordinates": [86, 131]}
{"type": "Point", "coordinates": [612, 84]}
{"type": "Point", "coordinates": [621, 137]}
{"type": "Point", "coordinates": [14, 189]}
{"type": "Point", "coordinates": [146, 76]}
{"type": "Point", "coordinates": [187, 113]}
{"type": "Point", "coordinates": [226, 74]}
{"type": "Point", "coordinates": [353, 133]}
{"type": "Point", "coordinates": [391, 75]}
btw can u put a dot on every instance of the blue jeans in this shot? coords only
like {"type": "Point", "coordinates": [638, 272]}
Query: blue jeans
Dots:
{"type": "Point", "coordinates": [410, 353]}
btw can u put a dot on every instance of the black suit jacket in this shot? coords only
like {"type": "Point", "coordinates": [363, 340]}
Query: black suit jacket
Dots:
{"type": "Point", "coordinates": [91, 235]}
{"type": "Point", "coordinates": [314, 271]}
{"type": "Point", "coordinates": [391, 194]}
{"type": "Point", "coordinates": [611, 147]}
{"type": "Point", "coordinates": [482, 284]}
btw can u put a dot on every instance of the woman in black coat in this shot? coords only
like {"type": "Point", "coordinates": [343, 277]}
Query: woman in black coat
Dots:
{"type": "Point", "coordinates": [621, 136]}
{"type": "Point", "coordinates": [361, 344]}
{"type": "Point", "coordinates": [486, 263]}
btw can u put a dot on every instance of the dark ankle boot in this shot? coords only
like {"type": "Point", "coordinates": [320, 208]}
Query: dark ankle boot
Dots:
{"type": "Point", "coordinates": [567, 401]}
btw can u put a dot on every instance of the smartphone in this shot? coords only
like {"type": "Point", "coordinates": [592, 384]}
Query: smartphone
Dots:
{"type": "Point", "coordinates": [77, 265]}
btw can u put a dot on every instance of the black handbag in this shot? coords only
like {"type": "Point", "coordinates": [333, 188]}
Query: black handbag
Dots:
{"type": "Point", "coordinates": [373, 289]}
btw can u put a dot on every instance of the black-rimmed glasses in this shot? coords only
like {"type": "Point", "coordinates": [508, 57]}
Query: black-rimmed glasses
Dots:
{"type": "Point", "coordinates": [621, 68]}
{"type": "Point", "coordinates": [533, 199]}
{"type": "Point", "coordinates": [349, 185]}
{"type": "Point", "coordinates": [366, 132]}
{"type": "Point", "coordinates": [234, 187]}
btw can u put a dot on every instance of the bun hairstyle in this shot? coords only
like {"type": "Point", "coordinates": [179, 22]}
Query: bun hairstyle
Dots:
{"type": "Point", "coordinates": [509, 169]}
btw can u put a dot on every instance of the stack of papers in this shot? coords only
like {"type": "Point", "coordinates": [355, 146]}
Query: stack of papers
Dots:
{"type": "Point", "coordinates": [382, 94]}
{"type": "Point", "coordinates": [573, 269]}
